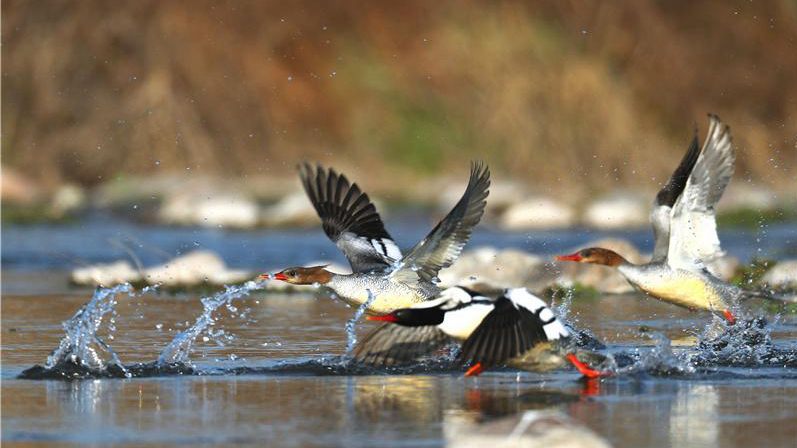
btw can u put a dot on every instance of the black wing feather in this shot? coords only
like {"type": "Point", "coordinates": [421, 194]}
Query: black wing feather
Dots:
{"type": "Point", "coordinates": [348, 217]}
{"type": "Point", "coordinates": [675, 186]}
{"type": "Point", "coordinates": [505, 333]}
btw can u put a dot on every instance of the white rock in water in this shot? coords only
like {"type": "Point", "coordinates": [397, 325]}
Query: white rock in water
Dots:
{"type": "Point", "coordinates": [293, 209]}
{"type": "Point", "coordinates": [602, 278]}
{"type": "Point", "coordinates": [537, 213]}
{"type": "Point", "coordinates": [783, 274]}
{"type": "Point", "coordinates": [226, 210]}
{"type": "Point", "coordinates": [618, 212]}
{"type": "Point", "coordinates": [723, 267]}
{"type": "Point", "coordinates": [499, 268]}
{"type": "Point", "coordinates": [66, 199]}
{"type": "Point", "coordinates": [740, 195]}
{"type": "Point", "coordinates": [105, 274]}
{"type": "Point", "coordinates": [548, 429]}
{"type": "Point", "coordinates": [192, 269]}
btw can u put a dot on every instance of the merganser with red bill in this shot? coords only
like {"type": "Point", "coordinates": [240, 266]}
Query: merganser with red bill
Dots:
{"type": "Point", "coordinates": [351, 221]}
{"type": "Point", "coordinates": [685, 232]}
{"type": "Point", "coordinates": [510, 326]}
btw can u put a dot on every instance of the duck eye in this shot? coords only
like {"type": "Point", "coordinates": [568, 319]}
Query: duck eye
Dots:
{"type": "Point", "coordinates": [291, 273]}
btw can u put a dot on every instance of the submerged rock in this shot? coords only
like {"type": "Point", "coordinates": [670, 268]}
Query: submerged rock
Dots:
{"type": "Point", "coordinates": [106, 274]}
{"type": "Point", "coordinates": [619, 211]}
{"type": "Point", "coordinates": [500, 268]}
{"type": "Point", "coordinates": [782, 275]}
{"type": "Point", "coordinates": [537, 213]}
{"type": "Point", "coordinates": [216, 210]}
{"type": "Point", "coordinates": [194, 268]}
{"type": "Point", "coordinates": [549, 429]}
{"type": "Point", "coordinates": [724, 267]}
{"type": "Point", "coordinates": [293, 209]}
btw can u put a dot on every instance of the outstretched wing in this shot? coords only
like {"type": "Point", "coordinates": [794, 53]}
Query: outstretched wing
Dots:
{"type": "Point", "coordinates": [349, 219]}
{"type": "Point", "coordinates": [693, 227]}
{"type": "Point", "coordinates": [665, 199]}
{"type": "Point", "coordinates": [443, 244]}
{"type": "Point", "coordinates": [391, 344]}
{"type": "Point", "coordinates": [518, 323]}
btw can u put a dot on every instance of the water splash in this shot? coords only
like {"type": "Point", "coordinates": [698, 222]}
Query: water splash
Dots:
{"type": "Point", "coordinates": [351, 334]}
{"type": "Point", "coordinates": [81, 345]}
{"type": "Point", "coordinates": [562, 310]}
{"type": "Point", "coordinates": [180, 348]}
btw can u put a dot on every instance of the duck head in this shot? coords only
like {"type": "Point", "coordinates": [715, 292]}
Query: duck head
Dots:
{"type": "Point", "coordinates": [597, 255]}
{"type": "Point", "coordinates": [302, 276]}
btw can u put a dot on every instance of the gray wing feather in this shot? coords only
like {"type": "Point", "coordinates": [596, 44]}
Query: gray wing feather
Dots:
{"type": "Point", "coordinates": [445, 242]}
{"type": "Point", "coordinates": [693, 227]}
{"type": "Point", "coordinates": [391, 344]}
{"type": "Point", "coordinates": [349, 219]}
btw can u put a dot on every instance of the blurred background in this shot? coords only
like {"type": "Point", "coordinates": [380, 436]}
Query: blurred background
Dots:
{"type": "Point", "coordinates": [197, 112]}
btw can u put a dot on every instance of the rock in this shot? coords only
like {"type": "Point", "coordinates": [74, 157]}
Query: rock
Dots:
{"type": "Point", "coordinates": [106, 274]}
{"type": "Point", "coordinates": [67, 198]}
{"type": "Point", "coordinates": [500, 268]}
{"type": "Point", "coordinates": [618, 211]}
{"type": "Point", "coordinates": [782, 275]}
{"type": "Point", "coordinates": [549, 429]}
{"type": "Point", "coordinates": [739, 195]}
{"type": "Point", "coordinates": [194, 268]}
{"type": "Point", "coordinates": [602, 278]}
{"type": "Point", "coordinates": [724, 267]}
{"type": "Point", "coordinates": [217, 210]}
{"type": "Point", "coordinates": [537, 213]}
{"type": "Point", "coordinates": [18, 188]}
{"type": "Point", "coordinates": [294, 209]}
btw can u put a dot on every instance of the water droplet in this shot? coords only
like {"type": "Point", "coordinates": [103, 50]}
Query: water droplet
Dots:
{"type": "Point", "coordinates": [159, 326]}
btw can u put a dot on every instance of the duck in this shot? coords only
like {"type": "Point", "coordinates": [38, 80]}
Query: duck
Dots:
{"type": "Point", "coordinates": [381, 275]}
{"type": "Point", "coordinates": [685, 232]}
{"type": "Point", "coordinates": [494, 327]}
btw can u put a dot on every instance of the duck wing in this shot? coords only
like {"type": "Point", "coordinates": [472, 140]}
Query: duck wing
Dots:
{"type": "Point", "coordinates": [441, 247]}
{"type": "Point", "coordinates": [693, 227]}
{"type": "Point", "coordinates": [349, 219]}
{"type": "Point", "coordinates": [518, 322]}
{"type": "Point", "coordinates": [665, 199]}
{"type": "Point", "coordinates": [391, 344]}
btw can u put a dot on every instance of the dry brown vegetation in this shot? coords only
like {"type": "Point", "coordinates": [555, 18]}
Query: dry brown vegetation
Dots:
{"type": "Point", "coordinates": [553, 92]}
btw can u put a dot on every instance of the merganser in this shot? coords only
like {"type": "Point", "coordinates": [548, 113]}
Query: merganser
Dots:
{"type": "Point", "coordinates": [510, 326]}
{"type": "Point", "coordinates": [685, 232]}
{"type": "Point", "coordinates": [378, 268]}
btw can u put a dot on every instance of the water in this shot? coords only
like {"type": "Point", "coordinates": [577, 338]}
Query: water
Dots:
{"type": "Point", "coordinates": [249, 368]}
{"type": "Point", "coordinates": [179, 350]}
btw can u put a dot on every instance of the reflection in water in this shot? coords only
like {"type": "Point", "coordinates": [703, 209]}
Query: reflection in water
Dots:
{"type": "Point", "coordinates": [693, 417]}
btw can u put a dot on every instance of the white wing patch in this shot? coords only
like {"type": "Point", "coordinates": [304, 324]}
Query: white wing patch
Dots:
{"type": "Point", "coordinates": [460, 324]}
{"type": "Point", "coordinates": [693, 228]}
{"type": "Point", "coordinates": [386, 248]}
{"type": "Point", "coordinates": [553, 327]}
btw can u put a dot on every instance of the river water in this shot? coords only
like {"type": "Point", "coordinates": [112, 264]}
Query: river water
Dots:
{"type": "Point", "coordinates": [273, 378]}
